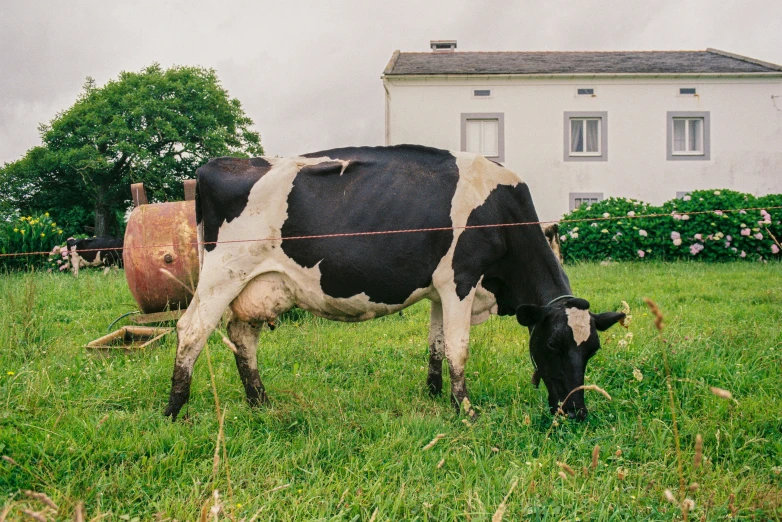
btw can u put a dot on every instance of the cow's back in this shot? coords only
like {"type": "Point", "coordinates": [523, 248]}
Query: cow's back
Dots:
{"type": "Point", "coordinates": [372, 190]}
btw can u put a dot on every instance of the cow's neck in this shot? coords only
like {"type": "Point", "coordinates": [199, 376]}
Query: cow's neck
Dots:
{"type": "Point", "coordinates": [539, 278]}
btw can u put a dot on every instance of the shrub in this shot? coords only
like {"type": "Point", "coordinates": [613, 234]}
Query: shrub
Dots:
{"type": "Point", "coordinates": [705, 224]}
{"type": "Point", "coordinates": [28, 234]}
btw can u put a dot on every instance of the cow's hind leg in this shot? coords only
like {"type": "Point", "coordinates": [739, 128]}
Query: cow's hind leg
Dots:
{"type": "Point", "coordinates": [434, 380]}
{"type": "Point", "coordinates": [245, 337]}
{"type": "Point", "coordinates": [456, 328]}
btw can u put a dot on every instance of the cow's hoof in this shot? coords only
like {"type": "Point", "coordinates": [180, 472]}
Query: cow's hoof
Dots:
{"type": "Point", "coordinates": [171, 412]}
{"type": "Point", "coordinates": [256, 399]}
{"type": "Point", "coordinates": [175, 403]}
{"type": "Point", "coordinates": [434, 383]}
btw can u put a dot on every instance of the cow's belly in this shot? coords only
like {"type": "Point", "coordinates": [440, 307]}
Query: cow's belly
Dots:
{"type": "Point", "coordinates": [270, 294]}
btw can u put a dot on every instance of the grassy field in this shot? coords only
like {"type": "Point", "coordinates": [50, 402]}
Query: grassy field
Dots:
{"type": "Point", "coordinates": [345, 434]}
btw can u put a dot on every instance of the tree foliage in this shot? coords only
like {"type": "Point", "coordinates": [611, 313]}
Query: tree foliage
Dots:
{"type": "Point", "coordinates": [155, 126]}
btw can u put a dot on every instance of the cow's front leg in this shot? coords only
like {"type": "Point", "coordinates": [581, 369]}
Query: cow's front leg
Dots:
{"type": "Point", "coordinates": [456, 327]}
{"type": "Point", "coordinates": [245, 338]}
{"type": "Point", "coordinates": [434, 381]}
{"type": "Point", "coordinates": [193, 330]}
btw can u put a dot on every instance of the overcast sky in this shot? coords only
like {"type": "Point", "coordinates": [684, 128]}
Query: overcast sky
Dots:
{"type": "Point", "coordinates": [308, 73]}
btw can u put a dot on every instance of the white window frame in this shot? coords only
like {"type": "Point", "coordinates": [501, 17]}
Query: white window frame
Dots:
{"type": "Point", "coordinates": [688, 150]}
{"type": "Point", "coordinates": [583, 122]}
{"type": "Point", "coordinates": [499, 117]}
{"type": "Point", "coordinates": [602, 139]}
{"type": "Point", "coordinates": [589, 196]}
{"type": "Point", "coordinates": [704, 152]}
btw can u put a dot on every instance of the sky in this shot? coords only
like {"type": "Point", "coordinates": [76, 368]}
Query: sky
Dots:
{"type": "Point", "coordinates": [308, 73]}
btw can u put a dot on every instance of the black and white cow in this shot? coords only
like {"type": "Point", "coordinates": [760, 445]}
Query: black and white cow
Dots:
{"type": "Point", "coordinates": [466, 273]}
{"type": "Point", "coordinates": [95, 251]}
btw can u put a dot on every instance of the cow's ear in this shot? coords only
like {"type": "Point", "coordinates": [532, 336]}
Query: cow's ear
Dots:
{"type": "Point", "coordinates": [606, 320]}
{"type": "Point", "coordinates": [530, 315]}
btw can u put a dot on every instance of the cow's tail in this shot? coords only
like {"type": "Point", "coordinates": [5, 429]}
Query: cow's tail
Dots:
{"type": "Point", "coordinates": [199, 226]}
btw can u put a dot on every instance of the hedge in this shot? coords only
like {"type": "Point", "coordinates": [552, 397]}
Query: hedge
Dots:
{"type": "Point", "coordinates": [708, 225]}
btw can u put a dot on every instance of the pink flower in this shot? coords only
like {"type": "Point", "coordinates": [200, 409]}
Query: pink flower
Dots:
{"type": "Point", "coordinates": [675, 235]}
{"type": "Point", "coordinates": [606, 215]}
{"type": "Point", "coordinates": [727, 244]}
{"type": "Point", "coordinates": [710, 237]}
{"type": "Point", "coordinates": [758, 236]}
{"type": "Point", "coordinates": [774, 249]}
{"type": "Point", "coordinates": [718, 212]}
{"type": "Point", "coordinates": [698, 237]}
{"type": "Point", "coordinates": [677, 242]}
{"type": "Point", "coordinates": [685, 217]}
{"type": "Point", "coordinates": [641, 253]}
{"type": "Point", "coordinates": [631, 213]}
{"type": "Point", "coordinates": [63, 267]}
{"type": "Point", "coordinates": [642, 233]}
{"type": "Point", "coordinates": [743, 254]}
{"type": "Point", "coordinates": [677, 217]}
{"type": "Point", "coordinates": [694, 249]}
{"type": "Point", "coordinates": [745, 232]}
{"type": "Point", "coordinates": [742, 211]}
{"type": "Point", "coordinates": [686, 198]}
{"type": "Point", "coordinates": [729, 238]}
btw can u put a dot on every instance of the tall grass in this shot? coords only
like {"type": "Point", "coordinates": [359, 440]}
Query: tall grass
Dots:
{"type": "Point", "coordinates": [345, 435]}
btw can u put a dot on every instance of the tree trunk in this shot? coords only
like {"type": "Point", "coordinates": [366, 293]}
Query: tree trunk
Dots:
{"type": "Point", "coordinates": [102, 220]}
{"type": "Point", "coordinates": [102, 213]}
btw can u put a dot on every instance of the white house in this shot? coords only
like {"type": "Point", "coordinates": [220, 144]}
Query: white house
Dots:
{"type": "Point", "coordinates": [582, 126]}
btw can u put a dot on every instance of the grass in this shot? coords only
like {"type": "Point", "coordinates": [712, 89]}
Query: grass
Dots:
{"type": "Point", "coordinates": [350, 415]}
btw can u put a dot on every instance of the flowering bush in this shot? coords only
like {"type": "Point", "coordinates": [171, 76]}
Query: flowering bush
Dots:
{"type": "Point", "coordinates": [28, 234]}
{"type": "Point", "coordinates": [705, 224]}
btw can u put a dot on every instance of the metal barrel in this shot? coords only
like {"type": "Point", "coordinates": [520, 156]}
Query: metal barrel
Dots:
{"type": "Point", "coordinates": [160, 252]}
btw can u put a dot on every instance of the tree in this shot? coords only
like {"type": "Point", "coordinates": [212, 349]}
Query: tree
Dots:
{"type": "Point", "coordinates": [155, 126]}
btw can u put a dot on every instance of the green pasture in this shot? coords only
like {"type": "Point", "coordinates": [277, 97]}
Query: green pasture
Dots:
{"type": "Point", "coordinates": [344, 437]}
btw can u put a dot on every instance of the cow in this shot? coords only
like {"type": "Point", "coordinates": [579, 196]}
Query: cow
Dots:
{"type": "Point", "coordinates": [355, 233]}
{"type": "Point", "coordinates": [95, 251]}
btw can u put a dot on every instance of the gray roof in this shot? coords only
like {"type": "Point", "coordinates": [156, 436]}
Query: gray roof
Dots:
{"type": "Point", "coordinates": [710, 61]}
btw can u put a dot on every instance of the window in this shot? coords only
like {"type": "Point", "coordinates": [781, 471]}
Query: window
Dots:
{"type": "Point", "coordinates": [584, 198]}
{"type": "Point", "coordinates": [688, 136]}
{"type": "Point", "coordinates": [585, 92]}
{"type": "Point", "coordinates": [484, 133]}
{"type": "Point", "coordinates": [586, 136]}
{"type": "Point", "coordinates": [687, 91]}
{"type": "Point", "coordinates": [481, 93]}
{"type": "Point", "coordinates": [680, 195]}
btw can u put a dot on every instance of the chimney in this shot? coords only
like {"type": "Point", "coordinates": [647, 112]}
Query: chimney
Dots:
{"type": "Point", "coordinates": [443, 46]}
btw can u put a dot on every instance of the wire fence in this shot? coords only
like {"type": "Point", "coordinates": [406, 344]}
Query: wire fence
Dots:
{"type": "Point", "coordinates": [412, 230]}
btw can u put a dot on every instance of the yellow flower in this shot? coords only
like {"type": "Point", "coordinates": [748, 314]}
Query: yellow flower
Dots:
{"type": "Point", "coordinates": [16, 230]}
{"type": "Point", "coordinates": [21, 231]}
{"type": "Point", "coordinates": [54, 225]}
{"type": "Point", "coordinates": [43, 235]}
{"type": "Point", "coordinates": [59, 231]}
{"type": "Point", "coordinates": [46, 214]}
{"type": "Point", "coordinates": [10, 373]}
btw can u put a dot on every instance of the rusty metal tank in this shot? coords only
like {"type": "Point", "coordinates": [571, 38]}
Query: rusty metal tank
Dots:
{"type": "Point", "coordinates": [161, 236]}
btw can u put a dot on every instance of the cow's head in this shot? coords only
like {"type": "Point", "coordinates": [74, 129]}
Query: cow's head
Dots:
{"type": "Point", "coordinates": [563, 337]}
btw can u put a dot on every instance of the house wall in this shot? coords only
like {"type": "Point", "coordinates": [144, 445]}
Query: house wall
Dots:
{"type": "Point", "coordinates": [745, 132]}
